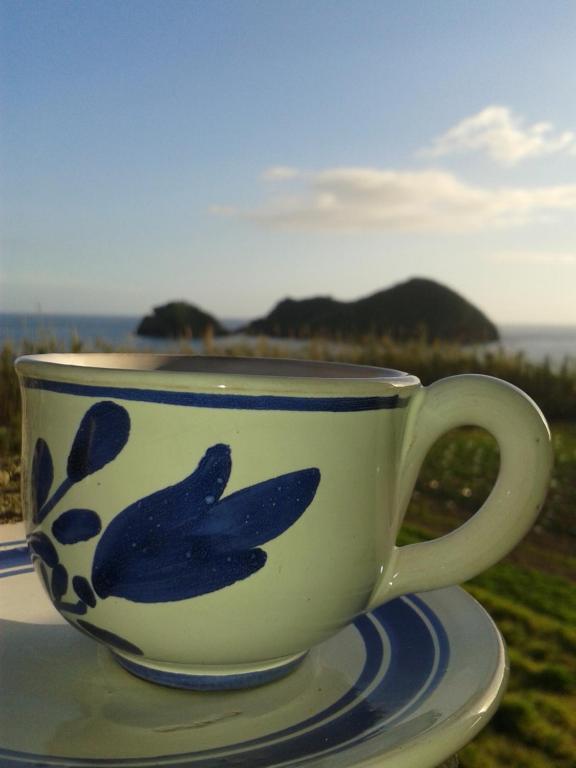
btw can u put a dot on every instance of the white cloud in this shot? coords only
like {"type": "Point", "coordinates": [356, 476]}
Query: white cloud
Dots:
{"type": "Point", "coordinates": [225, 210]}
{"type": "Point", "coordinates": [503, 136]}
{"type": "Point", "coordinates": [280, 173]}
{"type": "Point", "coordinates": [362, 199]}
{"type": "Point", "coordinates": [553, 258]}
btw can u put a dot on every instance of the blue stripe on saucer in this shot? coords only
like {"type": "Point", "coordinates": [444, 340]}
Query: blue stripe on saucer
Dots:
{"type": "Point", "coordinates": [16, 572]}
{"type": "Point", "coordinates": [14, 543]}
{"type": "Point", "coordinates": [419, 654]}
{"type": "Point", "coordinates": [10, 558]}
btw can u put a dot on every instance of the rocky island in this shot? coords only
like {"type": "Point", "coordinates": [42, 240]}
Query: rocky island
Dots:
{"type": "Point", "coordinates": [179, 320]}
{"type": "Point", "coordinates": [416, 309]}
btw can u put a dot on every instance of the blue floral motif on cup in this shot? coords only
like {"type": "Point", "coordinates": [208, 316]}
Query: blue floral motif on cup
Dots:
{"type": "Point", "coordinates": [179, 542]}
{"type": "Point", "coordinates": [186, 540]}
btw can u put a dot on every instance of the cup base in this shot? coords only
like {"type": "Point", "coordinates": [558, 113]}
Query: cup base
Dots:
{"type": "Point", "coordinates": [198, 678]}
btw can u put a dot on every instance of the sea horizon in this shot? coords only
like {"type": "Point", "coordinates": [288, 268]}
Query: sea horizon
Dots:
{"type": "Point", "coordinates": [43, 316]}
{"type": "Point", "coordinates": [536, 340]}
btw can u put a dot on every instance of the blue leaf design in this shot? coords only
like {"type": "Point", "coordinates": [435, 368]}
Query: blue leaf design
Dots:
{"type": "Point", "coordinates": [76, 525]}
{"type": "Point", "coordinates": [41, 546]}
{"type": "Point", "coordinates": [84, 590]}
{"type": "Point", "coordinates": [257, 514]}
{"type": "Point", "coordinates": [152, 526]}
{"type": "Point", "coordinates": [42, 478]}
{"type": "Point", "coordinates": [182, 541]}
{"type": "Point", "coordinates": [44, 575]}
{"type": "Point", "coordinates": [78, 609]}
{"type": "Point", "coordinates": [110, 638]}
{"type": "Point", "coordinates": [102, 434]}
{"type": "Point", "coordinates": [177, 573]}
{"type": "Point", "coordinates": [59, 581]}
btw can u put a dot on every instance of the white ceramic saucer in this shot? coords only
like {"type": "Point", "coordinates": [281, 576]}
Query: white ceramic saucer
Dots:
{"type": "Point", "coordinates": [403, 687]}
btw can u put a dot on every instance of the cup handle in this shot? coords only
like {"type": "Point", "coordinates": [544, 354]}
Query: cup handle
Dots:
{"type": "Point", "coordinates": [510, 510]}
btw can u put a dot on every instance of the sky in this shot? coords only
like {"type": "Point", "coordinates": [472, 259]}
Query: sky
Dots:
{"type": "Point", "coordinates": [234, 152]}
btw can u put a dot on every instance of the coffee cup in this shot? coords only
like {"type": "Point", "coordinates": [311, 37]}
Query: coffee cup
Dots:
{"type": "Point", "coordinates": [210, 520]}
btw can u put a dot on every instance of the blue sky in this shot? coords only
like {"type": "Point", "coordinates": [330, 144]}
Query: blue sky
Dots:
{"type": "Point", "coordinates": [235, 152]}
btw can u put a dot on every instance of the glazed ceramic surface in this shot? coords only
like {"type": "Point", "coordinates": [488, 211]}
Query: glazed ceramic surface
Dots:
{"type": "Point", "coordinates": [211, 520]}
{"type": "Point", "coordinates": [405, 685]}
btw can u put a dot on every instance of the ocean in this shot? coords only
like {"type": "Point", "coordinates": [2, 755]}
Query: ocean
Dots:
{"type": "Point", "coordinates": [537, 342]}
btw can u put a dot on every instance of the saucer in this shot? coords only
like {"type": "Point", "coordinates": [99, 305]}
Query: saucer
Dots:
{"type": "Point", "coordinates": [402, 687]}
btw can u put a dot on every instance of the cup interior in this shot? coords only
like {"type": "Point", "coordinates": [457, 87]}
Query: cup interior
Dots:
{"type": "Point", "coordinates": [241, 366]}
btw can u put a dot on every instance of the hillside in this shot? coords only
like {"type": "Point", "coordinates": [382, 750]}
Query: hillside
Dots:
{"type": "Point", "coordinates": [418, 308]}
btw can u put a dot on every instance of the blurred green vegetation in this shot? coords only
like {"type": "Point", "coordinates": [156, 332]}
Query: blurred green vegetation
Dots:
{"type": "Point", "coordinates": [531, 595]}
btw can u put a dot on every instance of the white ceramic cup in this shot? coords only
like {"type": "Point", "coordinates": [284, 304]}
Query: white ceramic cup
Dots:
{"type": "Point", "coordinates": [212, 519]}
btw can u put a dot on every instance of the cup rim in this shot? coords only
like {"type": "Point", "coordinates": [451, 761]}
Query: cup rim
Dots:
{"type": "Point", "coordinates": [208, 373]}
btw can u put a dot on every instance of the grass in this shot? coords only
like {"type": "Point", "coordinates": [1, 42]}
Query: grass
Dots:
{"type": "Point", "coordinates": [538, 713]}
{"type": "Point", "coordinates": [531, 595]}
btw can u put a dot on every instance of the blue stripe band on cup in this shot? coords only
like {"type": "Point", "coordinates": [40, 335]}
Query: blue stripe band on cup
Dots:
{"type": "Point", "coordinates": [236, 402]}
